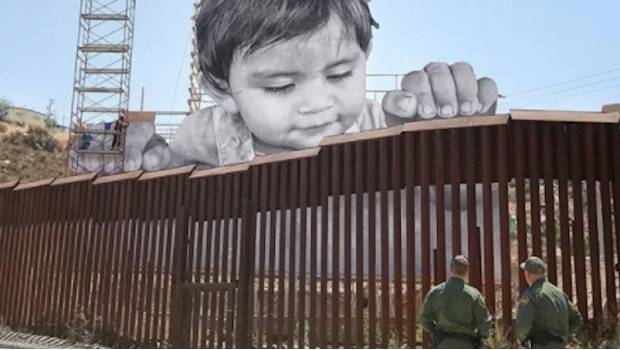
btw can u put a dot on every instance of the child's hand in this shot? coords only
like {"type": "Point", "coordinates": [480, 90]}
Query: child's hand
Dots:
{"type": "Point", "coordinates": [442, 90]}
{"type": "Point", "coordinates": [138, 135]}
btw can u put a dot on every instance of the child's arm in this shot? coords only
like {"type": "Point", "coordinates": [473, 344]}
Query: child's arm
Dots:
{"type": "Point", "coordinates": [209, 136]}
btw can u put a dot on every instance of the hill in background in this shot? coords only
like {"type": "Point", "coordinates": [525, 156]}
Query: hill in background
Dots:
{"type": "Point", "coordinates": [29, 150]}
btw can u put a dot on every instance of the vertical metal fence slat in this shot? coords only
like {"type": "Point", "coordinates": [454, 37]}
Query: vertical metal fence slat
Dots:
{"type": "Point", "coordinates": [359, 244]}
{"type": "Point", "coordinates": [323, 339]}
{"type": "Point", "coordinates": [347, 164]}
{"type": "Point", "coordinates": [303, 205]}
{"type": "Point", "coordinates": [132, 217]}
{"type": "Point", "coordinates": [425, 218]}
{"type": "Point", "coordinates": [292, 267]}
{"type": "Point", "coordinates": [533, 157]}
{"type": "Point", "coordinates": [440, 163]}
{"type": "Point", "coordinates": [593, 230]}
{"type": "Point", "coordinates": [217, 241]}
{"type": "Point", "coordinates": [203, 310]}
{"type": "Point", "coordinates": [263, 201]}
{"type": "Point", "coordinates": [273, 197]}
{"type": "Point", "coordinates": [550, 223]}
{"type": "Point", "coordinates": [487, 203]}
{"type": "Point", "coordinates": [314, 200]}
{"type": "Point", "coordinates": [58, 260]}
{"type": "Point", "coordinates": [232, 298]}
{"type": "Point", "coordinates": [371, 167]}
{"type": "Point", "coordinates": [385, 240]}
{"type": "Point", "coordinates": [335, 239]}
{"type": "Point", "coordinates": [518, 147]}
{"type": "Point", "coordinates": [565, 244]}
{"type": "Point", "coordinates": [576, 144]}
{"type": "Point", "coordinates": [197, 233]}
{"type": "Point", "coordinates": [397, 162]}
{"type": "Point", "coordinates": [504, 225]}
{"type": "Point", "coordinates": [143, 267]}
{"type": "Point", "coordinates": [23, 259]}
{"type": "Point", "coordinates": [284, 188]}
{"type": "Point", "coordinates": [137, 265]}
{"type": "Point", "coordinates": [108, 256]}
{"type": "Point", "coordinates": [615, 140]}
{"type": "Point", "coordinates": [455, 189]}
{"type": "Point", "coordinates": [608, 240]}
{"type": "Point", "coordinates": [226, 216]}
{"type": "Point", "coordinates": [158, 336]}
{"type": "Point", "coordinates": [473, 230]}
{"type": "Point", "coordinates": [12, 262]}
{"type": "Point", "coordinates": [116, 311]}
{"type": "Point", "coordinates": [152, 262]}
{"type": "Point", "coordinates": [410, 166]}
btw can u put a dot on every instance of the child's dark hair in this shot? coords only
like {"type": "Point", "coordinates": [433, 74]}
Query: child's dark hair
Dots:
{"type": "Point", "coordinates": [224, 26]}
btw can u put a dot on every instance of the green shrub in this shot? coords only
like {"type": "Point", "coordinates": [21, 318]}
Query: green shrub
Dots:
{"type": "Point", "coordinates": [4, 103]}
{"type": "Point", "coordinates": [50, 122]}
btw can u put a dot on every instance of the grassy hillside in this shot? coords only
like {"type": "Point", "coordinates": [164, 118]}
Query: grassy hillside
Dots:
{"type": "Point", "coordinates": [28, 150]}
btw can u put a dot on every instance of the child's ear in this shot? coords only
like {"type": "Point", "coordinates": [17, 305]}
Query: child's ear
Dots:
{"type": "Point", "coordinates": [223, 99]}
{"type": "Point", "coordinates": [368, 49]}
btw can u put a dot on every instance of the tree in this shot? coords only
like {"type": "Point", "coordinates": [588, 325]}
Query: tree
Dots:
{"type": "Point", "coordinates": [4, 103]}
{"type": "Point", "coordinates": [50, 115]}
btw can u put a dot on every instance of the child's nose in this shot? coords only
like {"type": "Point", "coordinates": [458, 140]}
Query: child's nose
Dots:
{"type": "Point", "coordinates": [315, 101]}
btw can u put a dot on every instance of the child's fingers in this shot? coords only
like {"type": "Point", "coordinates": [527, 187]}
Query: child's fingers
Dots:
{"type": "Point", "coordinates": [157, 158]}
{"type": "Point", "coordinates": [444, 90]}
{"type": "Point", "coordinates": [400, 103]}
{"type": "Point", "coordinates": [487, 93]}
{"type": "Point", "coordinates": [466, 88]}
{"type": "Point", "coordinates": [133, 162]}
{"type": "Point", "coordinates": [417, 83]}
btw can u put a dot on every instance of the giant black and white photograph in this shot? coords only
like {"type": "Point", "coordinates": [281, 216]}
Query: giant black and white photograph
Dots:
{"type": "Point", "coordinates": [309, 174]}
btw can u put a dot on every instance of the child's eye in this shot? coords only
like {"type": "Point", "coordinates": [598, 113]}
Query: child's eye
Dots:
{"type": "Point", "coordinates": [279, 89]}
{"type": "Point", "coordinates": [339, 77]}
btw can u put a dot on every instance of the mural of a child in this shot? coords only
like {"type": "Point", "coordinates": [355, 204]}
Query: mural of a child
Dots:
{"type": "Point", "coordinates": [286, 73]}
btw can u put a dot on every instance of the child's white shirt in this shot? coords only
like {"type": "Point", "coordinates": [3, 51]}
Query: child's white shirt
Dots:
{"type": "Point", "coordinates": [214, 137]}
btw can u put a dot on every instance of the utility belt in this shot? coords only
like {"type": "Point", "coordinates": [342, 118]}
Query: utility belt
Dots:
{"type": "Point", "coordinates": [439, 335]}
{"type": "Point", "coordinates": [543, 338]}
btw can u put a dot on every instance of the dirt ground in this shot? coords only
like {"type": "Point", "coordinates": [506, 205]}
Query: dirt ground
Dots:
{"type": "Point", "coordinates": [28, 150]}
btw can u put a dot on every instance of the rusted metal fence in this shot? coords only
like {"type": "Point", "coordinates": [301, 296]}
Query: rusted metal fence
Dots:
{"type": "Point", "coordinates": [333, 246]}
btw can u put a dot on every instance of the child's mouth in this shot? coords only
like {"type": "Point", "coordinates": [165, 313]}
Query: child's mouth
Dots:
{"type": "Point", "coordinates": [325, 129]}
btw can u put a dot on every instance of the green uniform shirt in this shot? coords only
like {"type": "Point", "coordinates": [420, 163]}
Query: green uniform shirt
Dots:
{"type": "Point", "coordinates": [546, 308]}
{"type": "Point", "coordinates": [456, 307]}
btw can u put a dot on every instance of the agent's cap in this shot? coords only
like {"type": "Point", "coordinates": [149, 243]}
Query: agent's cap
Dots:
{"type": "Point", "coordinates": [535, 265]}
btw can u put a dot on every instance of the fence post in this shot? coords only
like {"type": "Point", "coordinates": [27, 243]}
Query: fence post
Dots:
{"type": "Point", "coordinates": [178, 278]}
{"type": "Point", "coordinates": [245, 312]}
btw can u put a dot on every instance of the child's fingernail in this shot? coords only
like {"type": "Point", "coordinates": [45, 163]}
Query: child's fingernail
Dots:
{"type": "Point", "coordinates": [428, 110]}
{"type": "Point", "coordinates": [466, 108]}
{"type": "Point", "coordinates": [403, 104]}
{"type": "Point", "coordinates": [447, 111]}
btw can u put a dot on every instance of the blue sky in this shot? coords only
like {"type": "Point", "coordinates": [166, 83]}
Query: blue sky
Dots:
{"type": "Point", "coordinates": [521, 44]}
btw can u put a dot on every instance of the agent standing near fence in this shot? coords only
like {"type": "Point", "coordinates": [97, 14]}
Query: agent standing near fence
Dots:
{"type": "Point", "coordinates": [454, 312]}
{"type": "Point", "coordinates": [546, 317]}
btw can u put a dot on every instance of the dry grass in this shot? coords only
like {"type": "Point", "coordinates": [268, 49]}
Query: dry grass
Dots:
{"type": "Point", "coordinates": [31, 155]}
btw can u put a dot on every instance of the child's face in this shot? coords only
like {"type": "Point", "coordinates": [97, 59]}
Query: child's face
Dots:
{"type": "Point", "coordinates": [294, 93]}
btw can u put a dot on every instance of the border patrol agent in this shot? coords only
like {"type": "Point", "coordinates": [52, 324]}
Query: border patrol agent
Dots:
{"type": "Point", "coordinates": [454, 312]}
{"type": "Point", "coordinates": [546, 317]}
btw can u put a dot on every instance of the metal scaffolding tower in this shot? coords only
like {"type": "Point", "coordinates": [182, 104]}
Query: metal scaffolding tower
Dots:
{"type": "Point", "coordinates": [197, 96]}
{"type": "Point", "coordinates": [101, 86]}
{"type": "Point", "coordinates": [195, 93]}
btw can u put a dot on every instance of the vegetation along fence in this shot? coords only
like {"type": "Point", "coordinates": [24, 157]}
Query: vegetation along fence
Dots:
{"type": "Point", "coordinates": [331, 246]}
